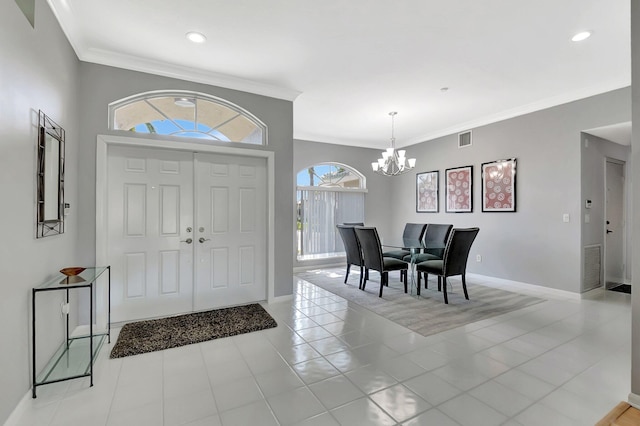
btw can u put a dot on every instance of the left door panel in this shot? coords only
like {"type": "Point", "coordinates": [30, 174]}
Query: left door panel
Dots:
{"type": "Point", "coordinates": [150, 232]}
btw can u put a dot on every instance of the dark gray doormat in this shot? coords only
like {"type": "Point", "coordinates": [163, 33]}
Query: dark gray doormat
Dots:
{"type": "Point", "coordinates": [164, 333]}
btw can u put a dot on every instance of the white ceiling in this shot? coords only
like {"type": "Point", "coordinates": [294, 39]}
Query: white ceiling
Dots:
{"type": "Point", "coordinates": [347, 64]}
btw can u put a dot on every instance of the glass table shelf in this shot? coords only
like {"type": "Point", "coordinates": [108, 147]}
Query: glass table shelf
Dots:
{"type": "Point", "coordinates": [71, 360]}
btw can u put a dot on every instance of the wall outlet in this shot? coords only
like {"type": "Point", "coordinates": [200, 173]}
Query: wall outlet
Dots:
{"type": "Point", "coordinates": [478, 258]}
{"type": "Point", "coordinates": [565, 217]}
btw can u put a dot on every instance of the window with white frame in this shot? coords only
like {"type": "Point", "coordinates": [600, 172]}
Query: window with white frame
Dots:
{"type": "Point", "coordinates": [327, 194]}
{"type": "Point", "coordinates": [186, 114]}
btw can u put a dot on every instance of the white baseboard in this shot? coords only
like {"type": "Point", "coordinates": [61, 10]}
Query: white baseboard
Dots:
{"type": "Point", "coordinates": [325, 266]}
{"type": "Point", "coordinates": [517, 285]}
{"type": "Point", "coordinates": [284, 298]}
{"type": "Point", "coordinates": [634, 400]}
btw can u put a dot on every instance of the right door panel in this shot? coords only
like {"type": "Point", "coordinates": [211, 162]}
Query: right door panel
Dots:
{"type": "Point", "coordinates": [231, 230]}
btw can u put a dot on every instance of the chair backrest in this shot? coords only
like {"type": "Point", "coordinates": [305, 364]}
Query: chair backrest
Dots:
{"type": "Point", "coordinates": [437, 235]}
{"type": "Point", "coordinates": [457, 251]}
{"type": "Point", "coordinates": [353, 223]}
{"type": "Point", "coordinates": [414, 230]}
{"type": "Point", "coordinates": [351, 244]}
{"type": "Point", "coordinates": [371, 247]}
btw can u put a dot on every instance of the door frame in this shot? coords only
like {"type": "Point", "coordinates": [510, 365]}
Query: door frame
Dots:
{"type": "Point", "coordinates": [102, 144]}
{"type": "Point", "coordinates": [624, 221]}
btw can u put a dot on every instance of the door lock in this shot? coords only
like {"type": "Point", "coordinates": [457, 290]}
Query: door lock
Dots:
{"type": "Point", "coordinates": [188, 241]}
{"type": "Point", "coordinates": [202, 239]}
{"type": "Point", "coordinates": [189, 229]}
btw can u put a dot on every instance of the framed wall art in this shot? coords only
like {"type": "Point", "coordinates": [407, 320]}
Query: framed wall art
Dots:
{"type": "Point", "coordinates": [499, 186]}
{"type": "Point", "coordinates": [459, 190]}
{"type": "Point", "coordinates": [427, 185]}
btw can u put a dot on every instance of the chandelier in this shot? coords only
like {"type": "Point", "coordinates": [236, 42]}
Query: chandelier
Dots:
{"type": "Point", "coordinates": [393, 162]}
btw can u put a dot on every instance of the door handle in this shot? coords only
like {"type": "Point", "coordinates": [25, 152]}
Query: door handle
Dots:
{"type": "Point", "coordinates": [188, 241]}
{"type": "Point", "coordinates": [608, 231]}
{"type": "Point", "coordinates": [202, 239]}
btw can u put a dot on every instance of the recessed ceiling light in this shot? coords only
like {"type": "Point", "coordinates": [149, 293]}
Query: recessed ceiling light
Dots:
{"type": "Point", "coordinates": [444, 89]}
{"type": "Point", "coordinates": [196, 37]}
{"type": "Point", "coordinates": [581, 36]}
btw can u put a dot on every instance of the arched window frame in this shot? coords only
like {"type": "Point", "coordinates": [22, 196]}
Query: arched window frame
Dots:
{"type": "Point", "coordinates": [363, 180]}
{"type": "Point", "coordinates": [317, 237]}
{"type": "Point", "coordinates": [114, 106]}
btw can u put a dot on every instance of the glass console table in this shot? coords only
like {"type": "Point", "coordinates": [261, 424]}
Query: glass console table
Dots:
{"type": "Point", "coordinates": [75, 357]}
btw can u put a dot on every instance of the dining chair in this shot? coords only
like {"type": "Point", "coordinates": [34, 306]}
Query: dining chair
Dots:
{"type": "Point", "coordinates": [454, 261]}
{"type": "Point", "coordinates": [435, 240]}
{"type": "Point", "coordinates": [353, 223]}
{"type": "Point", "coordinates": [352, 249]}
{"type": "Point", "coordinates": [413, 231]}
{"type": "Point", "coordinates": [373, 258]}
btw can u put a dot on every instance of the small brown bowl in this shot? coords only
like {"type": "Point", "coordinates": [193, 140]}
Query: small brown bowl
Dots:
{"type": "Point", "coordinates": [72, 271]}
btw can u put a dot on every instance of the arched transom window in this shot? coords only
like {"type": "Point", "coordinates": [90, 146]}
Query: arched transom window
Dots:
{"type": "Point", "coordinates": [187, 114]}
{"type": "Point", "coordinates": [327, 194]}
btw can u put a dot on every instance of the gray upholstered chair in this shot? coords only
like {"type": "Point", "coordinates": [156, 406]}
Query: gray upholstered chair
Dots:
{"type": "Point", "coordinates": [435, 240]}
{"type": "Point", "coordinates": [414, 231]}
{"type": "Point", "coordinates": [353, 223]}
{"type": "Point", "coordinates": [454, 261]}
{"type": "Point", "coordinates": [352, 249]}
{"type": "Point", "coordinates": [373, 258]}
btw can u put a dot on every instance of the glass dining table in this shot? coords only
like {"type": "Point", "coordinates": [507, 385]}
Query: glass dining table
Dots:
{"type": "Point", "coordinates": [414, 246]}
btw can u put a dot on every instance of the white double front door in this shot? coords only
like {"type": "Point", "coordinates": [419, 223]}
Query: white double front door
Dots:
{"type": "Point", "coordinates": [186, 231]}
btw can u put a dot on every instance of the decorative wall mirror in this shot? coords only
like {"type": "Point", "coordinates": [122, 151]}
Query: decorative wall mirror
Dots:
{"type": "Point", "coordinates": [50, 177]}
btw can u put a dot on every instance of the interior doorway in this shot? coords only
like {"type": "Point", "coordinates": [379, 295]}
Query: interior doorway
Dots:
{"type": "Point", "coordinates": [615, 224]}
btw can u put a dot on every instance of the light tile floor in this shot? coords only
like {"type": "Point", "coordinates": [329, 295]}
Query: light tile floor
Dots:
{"type": "Point", "coordinates": [331, 362]}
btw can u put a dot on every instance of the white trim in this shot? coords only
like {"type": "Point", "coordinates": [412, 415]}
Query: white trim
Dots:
{"type": "Point", "coordinates": [536, 290]}
{"type": "Point", "coordinates": [101, 183]}
{"type": "Point", "coordinates": [634, 400]}
{"type": "Point", "coordinates": [279, 299]}
{"type": "Point", "coordinates": [304, 268]}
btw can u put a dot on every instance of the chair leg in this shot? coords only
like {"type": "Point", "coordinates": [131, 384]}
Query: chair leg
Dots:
{"type": "Point", "coordinates": [418, 284]}
{"type": "Point", "coordinates": [405, 281]}
{"type": "Point", "coordinates": [384, 277]}
{"type": "Point", "coordinates": [426, 280]}
{"type": "Point", "coordinates": [439, 283]}
{"type": "Point", "coordinates": [366, 277]}
{"type": "Point", "coordinates": [361, 277]}
{"type": "Point", "coordinates": [347, 275]}
{"type": "Point", "coordinates": [446, 300]}
{"type": "Point", "coordinates": [464, 287]}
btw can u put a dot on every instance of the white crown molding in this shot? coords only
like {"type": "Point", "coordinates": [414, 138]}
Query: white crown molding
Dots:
{"type": "Point", "coordinates": [63, 13]}
{"type": "Point", "coordinates": [522, 110]}
{"type": "Point", "coordinates": [134, 63]}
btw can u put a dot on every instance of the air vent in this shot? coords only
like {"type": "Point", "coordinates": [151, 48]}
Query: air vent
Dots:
{"type": "Point", "coordinates": [464, 139]}
{"type": "Point", "coordinates": [592, 267]}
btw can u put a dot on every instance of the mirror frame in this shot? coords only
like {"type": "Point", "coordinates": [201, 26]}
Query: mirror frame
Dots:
{"type": "Point", "coordinates": [47, 128]}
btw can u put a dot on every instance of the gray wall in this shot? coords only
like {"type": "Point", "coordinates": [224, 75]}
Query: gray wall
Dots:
{"type": "Point", "coordinates": [595, 151]}
{"type": "Point", "coordinates": [101, 85]}
{"type": "Point", "coordinates": [532, 245]}
{"type": "Point", "coordinates": [378, 211]}
{"type": "Point", "coordinates": [39, 71]}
